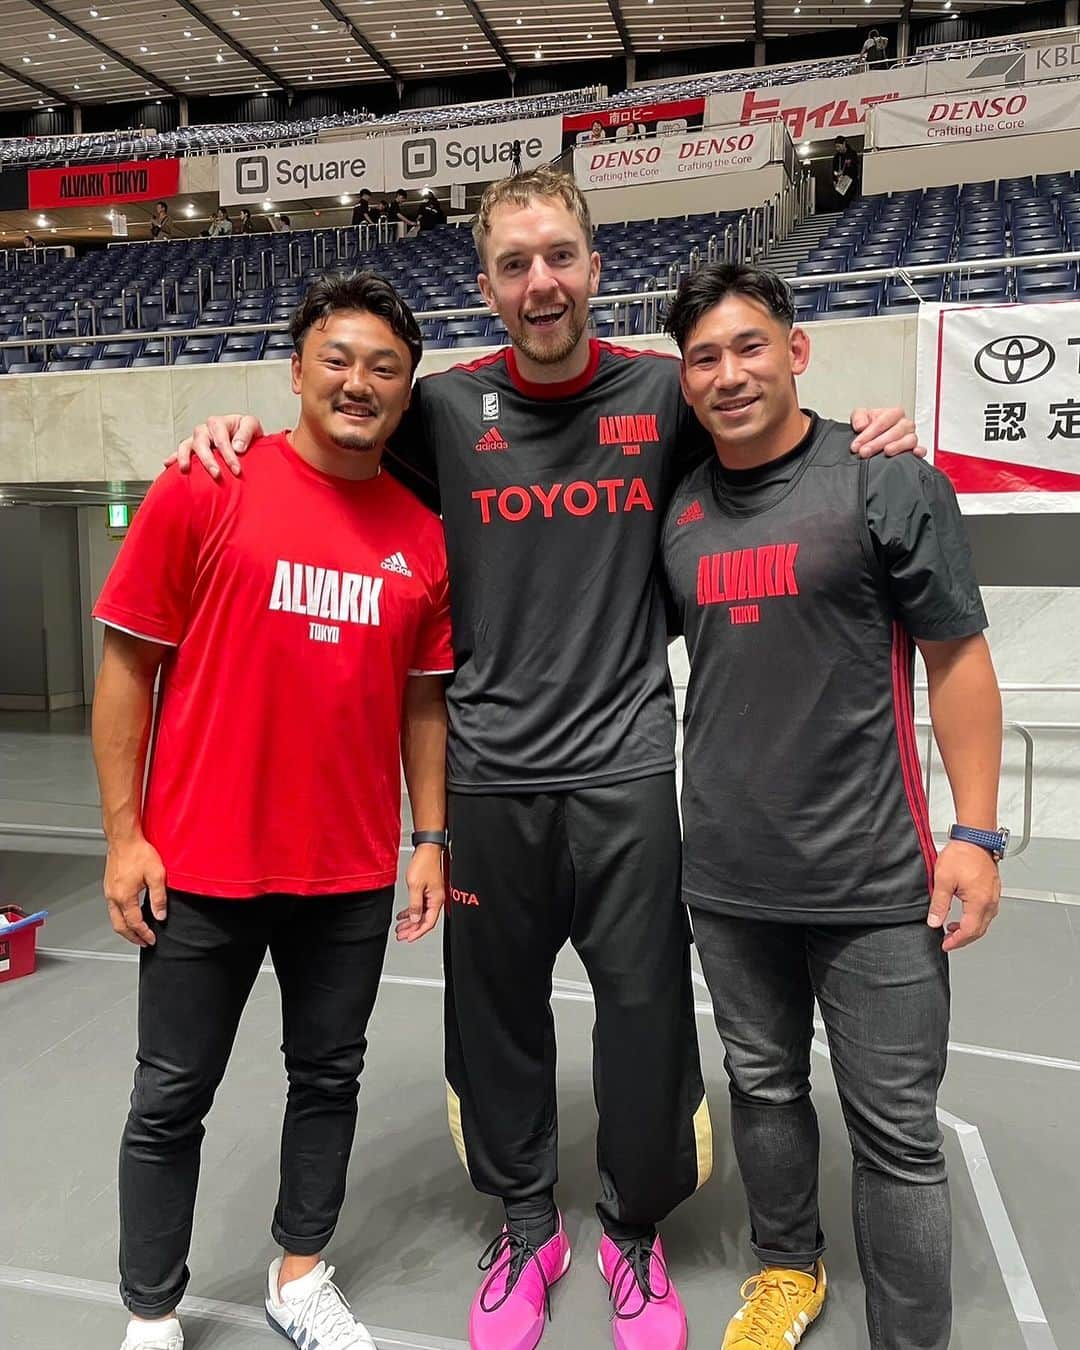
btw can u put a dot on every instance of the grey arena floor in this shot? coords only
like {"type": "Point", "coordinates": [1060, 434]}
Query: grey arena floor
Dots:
{"type": "Point", "coordinates": [412, 1227]}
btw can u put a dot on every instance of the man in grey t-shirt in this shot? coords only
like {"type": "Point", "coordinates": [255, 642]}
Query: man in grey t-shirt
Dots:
{"type": "Point", "coordinates": [804, 579]}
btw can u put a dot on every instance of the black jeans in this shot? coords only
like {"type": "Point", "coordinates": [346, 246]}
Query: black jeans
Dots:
{"type": "Point", "coordinates": [884, 998]}
{"type": "Point", "coordinates": [328, 955]}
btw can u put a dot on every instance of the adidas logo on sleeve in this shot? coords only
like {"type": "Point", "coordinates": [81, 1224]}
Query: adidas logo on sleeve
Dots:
{"type": "Point", "coordinates": [396, 563]}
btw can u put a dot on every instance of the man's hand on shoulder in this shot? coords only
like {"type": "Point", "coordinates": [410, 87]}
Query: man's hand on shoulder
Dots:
{"type": "Point", "coordinates": [884, 431]}
{"type": "Point", "coordinates": [229, 436]}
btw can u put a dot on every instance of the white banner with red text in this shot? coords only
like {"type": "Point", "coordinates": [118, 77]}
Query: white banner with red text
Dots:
{"type": "Point", "coordinates": [998, 403]}
{"type": "Point", "coordinates": [1014, 110]}
{"type": "Point", "coordinates": [817, 109]}
{"type": "Point", "coordinates": [701, 154]}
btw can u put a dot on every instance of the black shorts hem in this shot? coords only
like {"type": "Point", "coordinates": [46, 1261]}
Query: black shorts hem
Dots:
{"type": "Point", "coordinates": [808, 914]}
{"type": "Point", "coordinates": [524, 787]}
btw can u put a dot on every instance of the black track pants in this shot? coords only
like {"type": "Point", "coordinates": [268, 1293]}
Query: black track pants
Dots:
{"type": "Point", "coordinates": [599, 866]}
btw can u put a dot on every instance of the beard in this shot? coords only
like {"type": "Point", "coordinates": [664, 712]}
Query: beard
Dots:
{"type": "Point", "coordinates": [551, 353]}
{"type": "Point", "coordinates": [355, 440]}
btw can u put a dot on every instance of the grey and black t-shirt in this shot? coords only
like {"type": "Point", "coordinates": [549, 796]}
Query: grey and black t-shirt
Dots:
{"type": "Point", "coordinates": [800, 587]}
{"type": "Point", "coordinates": [552, 497]}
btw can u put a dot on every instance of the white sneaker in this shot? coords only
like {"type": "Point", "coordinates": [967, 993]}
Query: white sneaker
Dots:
{"type": "Point", "coordinates": [312, 1311]}
{"type": "Point", "coordinates": [167, 1335]}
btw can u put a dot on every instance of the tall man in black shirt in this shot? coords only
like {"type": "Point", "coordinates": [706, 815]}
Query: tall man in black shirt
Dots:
{"type": "Point", "coordinates": [804, 579]}
{"type": "Point", "coordinates": [551, 461]}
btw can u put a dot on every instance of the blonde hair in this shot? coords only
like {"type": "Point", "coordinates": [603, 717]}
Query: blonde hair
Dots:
{"type": "Point", "coordinates": [520, 190]}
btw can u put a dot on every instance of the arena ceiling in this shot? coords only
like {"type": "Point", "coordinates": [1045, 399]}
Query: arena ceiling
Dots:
{"type": "Point", "coordinates": [100, 51]}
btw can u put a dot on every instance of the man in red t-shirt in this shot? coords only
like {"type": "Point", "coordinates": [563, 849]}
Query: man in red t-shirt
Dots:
{"type": "Point", "coordinates": [320, 590]}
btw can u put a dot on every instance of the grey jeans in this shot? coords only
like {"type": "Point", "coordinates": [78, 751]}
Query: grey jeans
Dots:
{"type": "Point", "coordinates": [884, 998]}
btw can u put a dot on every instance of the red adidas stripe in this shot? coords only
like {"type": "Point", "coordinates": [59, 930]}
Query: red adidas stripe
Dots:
{"type": "Point", "coordinates": [910, 766]}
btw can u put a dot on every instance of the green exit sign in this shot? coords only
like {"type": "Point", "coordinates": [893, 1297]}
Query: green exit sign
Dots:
{"type": "Point", "coordinates": [119, 515]}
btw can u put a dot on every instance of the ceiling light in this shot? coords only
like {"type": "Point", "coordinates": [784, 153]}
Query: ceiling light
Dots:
{"type": "Point", "coordinates": [348, 60]}
{"type": "Point", "coordinates": [264, 94]}
{"type": "Point", "coordinates": [798, 9]}
{"type": "Point", "coordinates": [236, 13]}
{"type": "Point", "coordinates": [519, 23]}
{"type": "Point", "coordinates": [464, 46]}
{"type": "Point", "coordinates": [42, 221]}
{"type": "Point", "coordinates": [588, 37]}
{"type": "Point", "coordinates": [659, 37]}
{"type": "Point", "coordinates": [187, 32]}
{"type": "Point", "coordinates": [804, 150]}
{"type": "Point", "coordinates": [310, 78]}
{"type": "Point", "coordinates": [93, 13]}
{"type": "Point", "coordinates": [267, 206]}
{"type": "Point", "coordinates": [77, 86]}
{"type": "Point", "coordinates": [144, 49]}
{"type": "Point", "coordinates": [422, 66]}
{"type": "Point", "coordinates": [187, 77]}
{"type": "Point", "coordinates": [538, 55]}
{"type": "Point", "coordinates": [220, 59]}
{"type": "Point", "coordinates": [344, 199]}
{"type": "Point", "coordinates": [314, 27]}
{"type": "Point", "coordinates": [158, 102]}
{"type": "Point", "coordinates": [52, 37]}
{"type": "Point", "coordinates": [26, 60]}
{"type": "Point", "coordinates": [189, 209]}
{"type": "Point", "coordinates": [103, 65]}
{"type": "Point", "coordinates": [439, 14]}
{"type": "Point", "coordinates": [40, 102]}
{"type": "Point", "coordinates": [393, 34]}
{"type": "Point", "coordinates": [54, 229]}
{"type": "Point", "coordinates": [275, 49]}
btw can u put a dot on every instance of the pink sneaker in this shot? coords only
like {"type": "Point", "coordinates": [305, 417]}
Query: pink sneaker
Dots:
{"type": "Point", "coordinates": [647, 1311]}
{"type": "Point", "coordinates": [509, 1308]}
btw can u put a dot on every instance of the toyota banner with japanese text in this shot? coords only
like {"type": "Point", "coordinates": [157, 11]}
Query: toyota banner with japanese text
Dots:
{"type": "Point", "coordinates": [998, 403]}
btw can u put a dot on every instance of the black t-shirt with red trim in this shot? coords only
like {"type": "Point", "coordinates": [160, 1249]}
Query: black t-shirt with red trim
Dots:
{"type": "Point", "coordinates": [800, 587]}
{"type": "Point", "coordinates": [552, 497]}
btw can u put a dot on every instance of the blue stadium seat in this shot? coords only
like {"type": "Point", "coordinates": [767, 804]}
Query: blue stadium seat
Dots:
{"type": "Point", "coordinates": [110, 363]}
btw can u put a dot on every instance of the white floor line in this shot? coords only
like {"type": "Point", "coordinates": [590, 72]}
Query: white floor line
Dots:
{"type": "Point", "coordinates": [1014, 1271]}
{"type": "Point", "coordinates": [983, 1051]}
{"type": "Point", "coordinates": [1006, 1246]}
{"type": "Point", "coordinates": [205, 1309]}
{"type": "Point", "coordinates": [578, 991]}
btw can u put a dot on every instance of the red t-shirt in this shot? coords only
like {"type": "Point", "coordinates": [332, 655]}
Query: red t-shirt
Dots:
{"type": "Point", "coordinates": [298, 605]}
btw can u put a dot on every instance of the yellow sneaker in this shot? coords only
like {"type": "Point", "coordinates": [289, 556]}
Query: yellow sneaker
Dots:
{"type": "Point", "coordinates": [780, 1305]}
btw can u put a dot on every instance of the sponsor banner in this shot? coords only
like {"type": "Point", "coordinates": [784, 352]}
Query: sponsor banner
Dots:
{"type": "Point", "coordinates": [997, 402]}
{"type": "Point", "coordinates": [1050, 61]}
{"type": "Point", "coordinates": [469, 154]}
{"type": "Point", "coordinates": [817, 109]}
{"type": "Point", "coordinates": [664, 159]}
{"type": "Point", "coordinates": [1013, 111]}
{"type": "Point", "coordinates": [619, 124]}
{"type": "Point", "coordinates": [142, 180]}
{"type": "Point", "coordinates": [298, 172]}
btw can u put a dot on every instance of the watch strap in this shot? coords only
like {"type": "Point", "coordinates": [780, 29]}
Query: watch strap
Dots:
{"type": "Point", "coordinates": [440, 837]}
{"type": "Point", "coordinates": [994, 841]}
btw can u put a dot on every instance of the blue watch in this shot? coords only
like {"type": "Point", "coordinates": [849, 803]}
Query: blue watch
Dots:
{"type": "Point", "coordinates": [994, 841]}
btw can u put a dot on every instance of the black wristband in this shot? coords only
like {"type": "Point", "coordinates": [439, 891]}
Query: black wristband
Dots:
{"type": "Point", "coordinates": [440, 837]}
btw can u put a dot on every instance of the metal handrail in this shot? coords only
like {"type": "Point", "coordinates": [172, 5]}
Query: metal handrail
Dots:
{"type": "Point", "coordinates": [1023, 730]}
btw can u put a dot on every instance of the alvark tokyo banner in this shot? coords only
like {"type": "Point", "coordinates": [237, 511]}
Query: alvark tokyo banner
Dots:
{"type": "Point", "coordinates": [998, 403]}
{"type": "Point", "coordinates": [142, 180]}
{"type": "Point", "coordinates": [703, 154]}
{"type": "Point", "coordinates": [617, 124]}
{"type": "Point", "coordinates": [1012, 111]}
{"type": "Point", "coordinates": [817, 108]}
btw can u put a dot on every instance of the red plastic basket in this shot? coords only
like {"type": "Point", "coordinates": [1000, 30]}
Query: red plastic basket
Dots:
{"type": "Point", "coordinates": [18, 942]}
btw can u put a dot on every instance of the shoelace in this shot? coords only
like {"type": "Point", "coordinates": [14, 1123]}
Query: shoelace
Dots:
{"type": "Point", "coordinates": [325, 1312]}
{"type": "Point", "coordinates": [767, 1316]}
{"type": "Point", "coordinates": [633, 1273]}
{"type": "Point", "coordinates": [518, 1252]}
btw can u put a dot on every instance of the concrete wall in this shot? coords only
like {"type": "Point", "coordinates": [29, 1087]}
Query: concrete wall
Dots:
{"type": "Point", "coordinates": [41, 654]}
{"type": "Point", "coordinates": [725, 192]}
{"type": "Point", "coordinates": [22, 653]}
{"type": "Point", "coordinates": [970, 161]}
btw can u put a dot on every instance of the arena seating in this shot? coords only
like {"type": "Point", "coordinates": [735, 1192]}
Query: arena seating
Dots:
{"type": "Point", "coordinates": [435, 271]}
{"type": "Point", "coordinates": [979, 221]}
